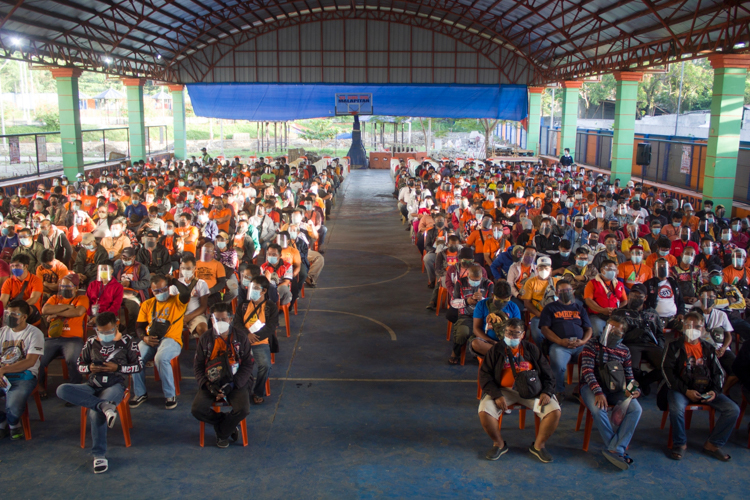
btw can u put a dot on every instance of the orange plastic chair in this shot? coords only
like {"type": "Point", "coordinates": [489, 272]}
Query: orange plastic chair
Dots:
{"type": "Point", "coordinates": [442, 298]}
{"type": "Point", "coordinates": [479, 370]}
{"type": "Point", "coordinates": [273, 358]}
{"type": "Point", "coordinates": [448, 335]}
{"type": "Point", "coordinates": [65, 374]}
{"type": "Point", "coordinates": [689, 409]}
{"type": "Point", "coordinates": [521, 418]}
{"type": "Point", "coordinates": [217, 408]}
{"type": "Point", "coordinates": [588, 427]}
{"type": "Point", "coordinates": [285, 310]}
{"type": "Point", "coordinates": [25, 418]}
{"type": "Point", "coordinates": [176, 373]}
{"type": "Point", "coordinates": [125, 419]}
{"type": "Point", "coordinates": [302, 291]}
{"type": "Point", "coordinates": [268, 387]}
{"type": "Point", "coordinates": [422, 262]}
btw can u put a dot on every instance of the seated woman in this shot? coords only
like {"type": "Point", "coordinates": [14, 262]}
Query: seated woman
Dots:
{"type": "Point", "coordinates": [104, 293]}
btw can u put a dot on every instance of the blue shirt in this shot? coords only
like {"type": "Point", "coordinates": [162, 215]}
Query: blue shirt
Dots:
{"type": "Point", "coordinates": [481, 311]}
{"type": "Point", "coordinates": [565, 320]}
{"type": "Point", "coordinates": [140, 210]}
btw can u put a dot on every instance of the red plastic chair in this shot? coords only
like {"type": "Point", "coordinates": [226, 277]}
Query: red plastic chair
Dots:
{"type": "Point", "coordinates": [442, 298]}
{"type": "Point", "coordinates": [217, 408]}
{"type": "Point", "coordinates": [285, 310]}
{"type": "Point", "coordinates": [125, 419]}
{"type": "Point", "coordinates": [25, 418]}
{"type": "Point", "coordinates": [479, 370]}
{"type": "Point", "coordinates": [689, 409]}
{"type": "Point", "coordinates": [521, 418]}
{"type": "Point", "coordinates": [589, 424]}
{"type": "Point", "coordinates": [448, 335]}
{"type": "Point", "coordinates": [176, 373]}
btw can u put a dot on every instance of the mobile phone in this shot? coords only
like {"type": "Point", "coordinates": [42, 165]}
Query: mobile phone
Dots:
{"type": "Point", "coordinates": [98, 363]}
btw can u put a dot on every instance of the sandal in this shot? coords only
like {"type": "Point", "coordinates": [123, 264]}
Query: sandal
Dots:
{"type": "Point", "coordinates": [453, 361]}
{"type": "Point", "coordinates": [627, 459]}
{"type": "Point", "coordinates": [257, 400]}
{"type": "Point", "coordinates": [717, 454]}
{"type": "Point", "coordinates": [677, 453]}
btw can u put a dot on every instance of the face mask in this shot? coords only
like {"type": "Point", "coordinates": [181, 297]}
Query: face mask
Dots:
{"type": "Point", "coordinates": [187, 274]}
{"type": "Point", "coordinates": [635, 303]}
{"type": "Point", "coordinates": [528, 260]}
{"type": "Point", "coordinates": [737, 261]}
{"type": "Point", "coordinates": [106, 339]}
{"type": "Point", "coordinates": [221, 245]}
{"type": "Point", "coordinates": [149, 244]}
{"type": "Point", "coordinates": [203, 218]}
{"type": "Point", "coordinates": [676, 224]}
{"type": "Point", "coordinates": [636, 259]}
{"type": "Point", "coordinates": [543, 273]}
{"type": "Point", "coordinates": [716, 280]}
{"type": "Point", "coordinates": [611, 247]}
{"type": "Point", "coordinates": [136, 203]}
{"type": "Point", "coordinates": [221, 327]}
{"type": "Point", "coordinates": [497, 234]}
{"type": "Point", "coordinates": [662, 273]}
{"type": "Point", "coordinates": [609, 340]}
{"type": "Point", "coordinates": [707, 303]}
{"type": "Point", "coordinates": [254, 294]}
{"type": "Point", "coordinates": [246, 282]}
{"type": "Point", "coordinates": [726, 236]}
{"type": "Point", "coordinates": [475, 283]}
{"type": "Point", "coordinates": [512, 343]}
{"type": "Point", "coordinates": [5, 231]}
{"type": "Point", "coordinates": [736, 227]}
{"type": "Point", "coordinates": [161, 297]}
{"type": "Point", "coordinates": [609, 275]}
{"type": "Point", "coordinates": [11, 321]}
{"type": "Point", "coordinates": [104, 276]}
{"type": "Point", "coordinates": [26, 242]}
{"type": "Point", "coordinates": [579, 224]}
{"type": "Point", "coordinates": [66, 293]}
{"type": "Point", "coordinates": [17, 272]}
{"type": "Point", "coordinates": [565, 255]}
{"type": "Point", "coordinates": [655, 231]}
{"type": "Point", "coordinates": [692, 334]}
{"type": "Point", "coordinates": [566, 296]}
{"type": "Point", "coordinates": [272, 259]}
{"type": "Point", "coordinates": [582, 263]}
{"type": "Point", "coordinates": [440, 224]}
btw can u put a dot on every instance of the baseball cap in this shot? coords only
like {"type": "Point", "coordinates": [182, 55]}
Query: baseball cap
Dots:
{"type": "Point", "coordinates": [543, 261]}
{"type": "Point", "coordinates": [87, 238]}
{"type": "Point", "coordinates": [640, 288]}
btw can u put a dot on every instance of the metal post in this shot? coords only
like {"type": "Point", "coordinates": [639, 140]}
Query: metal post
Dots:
{"type": "Point", "coordinates": [221, 131]}
{"type": "Point", "coordinates": [104, 145]}
{"type": "Point", "coordinates": [679, 98]}
{"type": "Point", "coordinates": [36, 146]}
{"type": "Point", "coordinates": [552, 111]}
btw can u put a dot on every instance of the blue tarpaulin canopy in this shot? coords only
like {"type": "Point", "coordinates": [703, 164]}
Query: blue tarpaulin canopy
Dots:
{"type": "Point", "coordinates": [279, 101]}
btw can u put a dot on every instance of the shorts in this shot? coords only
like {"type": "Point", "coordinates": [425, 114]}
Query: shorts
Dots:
{"type": "Point", "coordinates": [487, 404]}
{"type": "Point", "coordinates": [193, 324]}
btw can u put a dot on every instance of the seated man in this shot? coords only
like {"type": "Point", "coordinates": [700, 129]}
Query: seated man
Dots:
{"type": "Point", "coordinates": [215, 382]}
{"type": "Point", "coordinates": [447, 256]}
{"type": "Point", "coordinates": [51, 271]}
{"type": "Point", "coordinates": [694, 375]}
{"type": "Point", "coordinates": [566, 328]}
{"type": "Point", "coordinates": [644, 337]}
{"type": "Point", "coordinates": [65, 313]}
{"type": "Point", "coordinates": [597, 360]}
{"type": "Point", "coordinates": [278, 272]}
{"type": "Point", "coordinates": [107, 358]}
{"type": "Point", "coordinates": [22, 285]}
{"type": "Point", "coordinates": [467, 292]}
{"type": "Point", "coordinates": [104, 293]}
{"type": "Point", "coordinates": [89, 256]}
{"type": "Point", "coordinates": [135, 280]}
{"type": "Point", "coordinates": [258, 319]}
{"type": "Point", "coordinates": [160, 323]}
{"type": "Point", "coordinates": [490, 316]}
{"type": "Point", "coordinates": [664, 294]}
{"type": "Point", "coordinates": [498, 377]}
{"type": "Point", "coordinates": [21, 346]}
{"type": "Point", "coordinates": [27, 246]}
{"type": "Point", "coordinates": [603, 294]}
{"type": "Point", "coordinates": [537, 292]}
{"type": "Point", "coordinates": [195, 314]}
{"type": "Point", "coordinates": [155, 257]}
{"type": "Point", "coordinates": [718, 333]}
{"type": "Point", "coordinates": [212, 272]}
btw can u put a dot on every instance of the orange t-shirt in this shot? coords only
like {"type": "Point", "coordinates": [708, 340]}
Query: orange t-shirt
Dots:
{"type": "Point", "coordinates": [74, 327]}
{"type": "Point", "coordinates": [53, 275]}
{"type": "Point", "coordinates": [633, 274]}
{"type": "Point", "coordinates": [190, 231]}
{"type": "Point", "coordinates": [475, 238]}
{"type": "Point", "coordinates": [521, 366]}
{"type": "Point", "coordinates": [90, 256]}
{"type": "Point", "coordinates": [218, 214]}
{"type": "Point", "coordinates": [210, 272]}
{"type": "Point", "coordinates": [13, 285]}
{"type": "Point", "coordinates": [651, 260]}
{"type": "Point", "coordinates": [88, 203]}
{"type": "Point", "coordinates": [732, 275]}
{"type": "Point", "coordinates": [693, 351]}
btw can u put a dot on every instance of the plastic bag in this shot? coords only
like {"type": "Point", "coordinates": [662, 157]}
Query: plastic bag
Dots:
{"type": "Point", "coordinates": [618, 414]}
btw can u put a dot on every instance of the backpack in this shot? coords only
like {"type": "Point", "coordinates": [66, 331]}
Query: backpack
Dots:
{"type": "Point", "coordinates": [549, 294]}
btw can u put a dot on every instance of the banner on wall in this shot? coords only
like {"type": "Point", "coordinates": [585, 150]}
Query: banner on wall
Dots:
{"type": "Point", "coordinates": [686, 161]}
{"type": "Point", "coordinates": [15, 149]}
{"type": "Point", "coordinates": [41, 148]}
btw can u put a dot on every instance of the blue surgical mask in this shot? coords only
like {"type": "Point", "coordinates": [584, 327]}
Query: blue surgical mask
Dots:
{"type": "Point", "coordinates": [475, 284]}
{"type": "Point", "coordinates": [565, 254]}
{"type": "Point", "coordinates": [254, 294]}
{"type": "Point", "coordinates": [272, 259]}
{"type": "Point", "coordinates": [136, 203]}
{"type": "Point", "coordinates": [161, 297]}
{"type": "Point", "coordinates": [656, 230]}
{"type": "Point", "coordinates": [107, 339]}
{"type": "Point", "coordinates": [5, 231]}
{"type": "Point", "coordinates": [246, 282]}
{"type": "Point", "coordinates": [582, 263]}
{"type": "Point", "coordinates": [512, 343]}
{"type": "Point", "coordinates": [17, 272]}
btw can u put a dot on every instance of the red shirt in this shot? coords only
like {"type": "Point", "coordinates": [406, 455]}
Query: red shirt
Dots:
{"type": "Point", "coordinates": [678, 246]}
{"type": "Point", "coordinates": [108, 297]}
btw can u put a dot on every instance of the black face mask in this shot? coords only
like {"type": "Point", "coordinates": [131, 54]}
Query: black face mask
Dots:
{"type": "Point", "coordinates": [579, 224]}
{"type": "Point", "coordinates": [440, 224]}
{"type": "Point", "coordinates": [635, 303]}
{"type": "Point", "coordinates": [12, 322]}
{"type": "Point", "coordinates": [661, 273]}
{"type": "Point", "coordinates": [566, 296]}
{"type": "Point", "coordinates": [66, 294]}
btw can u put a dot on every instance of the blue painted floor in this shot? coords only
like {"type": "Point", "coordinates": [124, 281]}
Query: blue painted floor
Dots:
{"type": "Point", "coordinates": [355, 414]}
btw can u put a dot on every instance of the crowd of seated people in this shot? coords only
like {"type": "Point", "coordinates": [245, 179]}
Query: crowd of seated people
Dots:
{"type": "Point", "coordinates": [117, 270]}
{"type": "Point", "coordinates": [542, 268]}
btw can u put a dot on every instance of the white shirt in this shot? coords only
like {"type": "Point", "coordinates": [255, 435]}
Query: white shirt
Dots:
{"type": "Point", "coordinates": [715, 319]}
{"type": "Point", "coordinates": [16, 346]}
{"type": "Point", "coordinates": [201, 289]}
{"type": "Point", "coordinates": [665, 303]}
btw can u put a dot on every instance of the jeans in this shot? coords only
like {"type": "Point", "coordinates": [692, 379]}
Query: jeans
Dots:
{"type": "Point", "coordinates": [162, 356]}
{"type": "Point", "coordinates": [67, 347]}
{"type": "Point", "coordinates": [15, 401]}
{"type": "Point", "coordinates": [559, 357]}
{"type": "Point", "coordinates": [322, 236]}
{"type": "Point", "coordinates": [90, 397]}
{"type": "Point", "coordinates": [616, 442]}
{"type": "Point", "coordinates": [429, 265]}
{"type": "Point", "coordinates": [536, 332]}
{"type": "Point", "coordinates": [224, 423]}
{"type": "Point", "coordinates": [597, 324]}
{"type": "Point", "coordinates": [262, 355]}
{"type": "Point", "coordinates": [726, 409]}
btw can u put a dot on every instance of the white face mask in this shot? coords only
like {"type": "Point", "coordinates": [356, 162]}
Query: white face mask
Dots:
{"type": "Point", "coordinates": [543, 273]}
{"type": "Point", "coordinates": [692, 334]}
{"type": "Point", "coordinates": [186, 274]}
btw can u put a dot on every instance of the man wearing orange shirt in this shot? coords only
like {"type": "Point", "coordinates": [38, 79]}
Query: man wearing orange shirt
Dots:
{"type": "Point", "coordinates": [736, 271]}
{"type": "Point", "coordinates": [22, 285]}
{"type": "Point", "coordinates": [479, 236]}
{"type": "Point", "coordinates": [68, 308]}
{"type": "Point", "coordinates": [220, 214]}
{"type": "Point", "coordinates": [51, 271]}
{"type": "Point", "coordinates": [634, 271]}
{"type": "Point", "coordinates": [188, 232]}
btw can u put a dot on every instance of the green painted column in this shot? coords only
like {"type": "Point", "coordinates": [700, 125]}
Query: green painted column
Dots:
{"type": "Point", "coordinates": [136, 118]}
{"type": "Point", "coordinates": [535, 111]}
{"type": "Point", "coordinates": [178, 114]}
{"type": "Point", "coordinates": [70, 120]}
{"type": "Point", "coordinates": [569, 117]}
{"type": "Point", "coordinates": [624, 127]}
{"type": "Point", "coordinates": [730, 73]}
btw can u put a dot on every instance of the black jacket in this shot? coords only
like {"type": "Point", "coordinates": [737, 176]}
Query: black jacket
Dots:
{"type": "Point", "coordinates": [124, 352]}
{"type": "Point", "coordinates": [242, 353]}
{"type": "Point", "coordinates": [652, 286]}
{"type": "Point", "coordinates": [675, 373]}
{"type": "Point", "coordinates": [644, 327]}
{"type": "Point", "coordinates": [157, 260]}
{"type": "Point", "coordinates": [491, 372]}
{"type": "Point", "coordinates": [90, 270]}
{"type": "Point", "coordinates": [268, 331]}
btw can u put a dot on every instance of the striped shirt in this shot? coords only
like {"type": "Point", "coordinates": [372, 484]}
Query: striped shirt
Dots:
{"type": "Point", "coordinates": [590, 360]}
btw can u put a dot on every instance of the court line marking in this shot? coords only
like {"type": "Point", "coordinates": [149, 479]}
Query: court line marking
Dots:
{"type": "Point", "coordinates": [387, 328]}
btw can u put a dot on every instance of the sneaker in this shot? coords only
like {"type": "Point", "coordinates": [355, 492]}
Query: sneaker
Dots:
{"type": "Point", "coordinates": [430, 307]}
{"type": "Point", "coordinates": [136, 402]}
{"type": "Point", "coordinates": [235, 436]}
{"type": "Point", "coordinates": [171, 403]}
{"type": "Point", "coordinates": [16, 432]}
{"type": "Point", "coordinates": [543, 455]}
{"type": "Point", "coordinates": [616, 460]}
{"type": "Point", "coordinates": [497, 452]}
{"type": "Point", "coordinates": [222, 442]}
{"type": "Point", "coordinates": [100, 465]}
{"type": "Point", "coordinates": [110, 411]}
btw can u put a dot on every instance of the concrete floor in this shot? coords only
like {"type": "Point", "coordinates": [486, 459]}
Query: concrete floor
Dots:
{"type": "Point", "coordinates": [363, 405]}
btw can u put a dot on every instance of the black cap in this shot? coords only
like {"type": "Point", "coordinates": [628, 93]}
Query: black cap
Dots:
{"type": "Point", "coordinates": [152, 233]}
{"type": "Point", "coordinates": [714, 268]}
{"type": "Point", "coordinates": [640, 288]}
